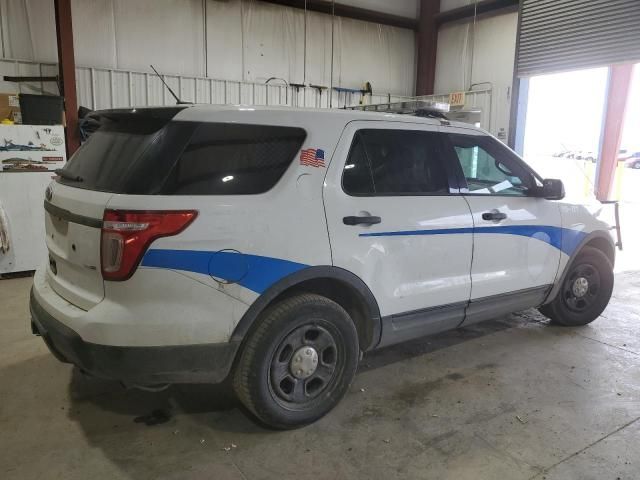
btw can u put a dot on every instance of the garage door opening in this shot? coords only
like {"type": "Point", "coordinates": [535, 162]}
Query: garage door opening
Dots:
{"type": "Point", "coordinates": [562, 137]}
{"type": "Point", "coordinates": [564, 121]}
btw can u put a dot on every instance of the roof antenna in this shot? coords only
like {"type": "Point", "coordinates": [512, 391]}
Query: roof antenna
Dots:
{"type": "Point", "coordinates": [178, 101]}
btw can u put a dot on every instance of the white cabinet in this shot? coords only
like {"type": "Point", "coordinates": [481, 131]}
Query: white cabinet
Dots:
{"type": "Point", "coordinates": [21, 198]}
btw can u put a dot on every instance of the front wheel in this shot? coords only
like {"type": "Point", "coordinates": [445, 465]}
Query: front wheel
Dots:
{"type": "Point", "coordinates": [585, 291]}
{"type": "Point", "coordinates": [298, 362]}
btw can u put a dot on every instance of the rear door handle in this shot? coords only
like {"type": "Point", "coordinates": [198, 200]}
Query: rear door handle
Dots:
{"type": "Point", "coordinates": [495, 216]}
{"type": "Point", "coordinates": [364, 220]}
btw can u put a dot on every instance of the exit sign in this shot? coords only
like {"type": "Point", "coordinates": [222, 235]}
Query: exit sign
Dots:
{"type": "Point", "coordinates": [456, 99]}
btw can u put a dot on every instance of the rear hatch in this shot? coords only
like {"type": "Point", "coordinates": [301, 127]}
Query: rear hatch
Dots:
{"type": "Point", "coordinates": [131, 153]}
{"type": "Point", "coordinates": [142, 153]}
{"type": "Point", "coordinates": [73, 218]}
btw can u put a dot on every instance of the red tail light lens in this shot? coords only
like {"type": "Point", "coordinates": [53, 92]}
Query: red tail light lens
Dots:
{"type": "Point", "coordinates": [126, 235]}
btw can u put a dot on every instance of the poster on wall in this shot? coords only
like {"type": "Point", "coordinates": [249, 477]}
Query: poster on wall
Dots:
{"type": "Point", "coordinates": [31, 148]}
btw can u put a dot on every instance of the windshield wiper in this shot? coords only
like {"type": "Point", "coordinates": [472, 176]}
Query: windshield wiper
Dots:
{"type": "Point", "coordinates": [67, 176]}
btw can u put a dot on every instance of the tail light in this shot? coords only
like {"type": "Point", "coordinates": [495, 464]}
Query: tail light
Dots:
{"type": "Point", "coordinates": [126, 235]}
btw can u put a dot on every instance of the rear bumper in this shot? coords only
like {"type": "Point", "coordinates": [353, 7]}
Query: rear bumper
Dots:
{"type": "Point", "coordinates": [206, 363]}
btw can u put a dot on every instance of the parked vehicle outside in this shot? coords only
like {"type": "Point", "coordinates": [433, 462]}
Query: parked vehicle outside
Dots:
{"type": "Point", "coordinates": [274, 245]}
{"type": "Point", "coordinates": [633, 161]}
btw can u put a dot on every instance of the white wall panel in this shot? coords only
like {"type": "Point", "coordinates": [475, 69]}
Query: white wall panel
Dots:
{"type": "Point", "coordinates": [224, 40]}
{"type": "Point", "coordinates": [318, 71]}
{"type": "Point", "coordinates": [16, 39]}
{"type": "Point", "coordinates": [94, 30]}
{"type": "Point", "coordinates": [383, 55]}
{"type": "Point", "coordinates": [166, 33]}
{"type": "Point", "coordinates": [463, 60]}
{"type": "Point", "coordinates": [469, 56]}
{"type": "Point", "coordinates": [453, 58]}
{"type": "Point", "coordinates": [246, 40]}
{"type": "Point", "coordinates": [273, 42]}
{"type": "Point", "coordinates": [495, 49]}
{"type": "Point", "coordinates": [40, 15]}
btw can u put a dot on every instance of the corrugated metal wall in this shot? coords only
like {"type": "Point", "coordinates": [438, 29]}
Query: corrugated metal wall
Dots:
{"type": "Point", "coordinates": [100, 88]}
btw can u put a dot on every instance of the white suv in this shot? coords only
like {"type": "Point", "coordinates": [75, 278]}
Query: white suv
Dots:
{"type": "Point", "coordinates": [276, 244]}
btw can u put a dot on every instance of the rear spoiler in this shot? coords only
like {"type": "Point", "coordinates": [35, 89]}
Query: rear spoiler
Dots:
{"type": "Point", "coordinates": [153, 117]}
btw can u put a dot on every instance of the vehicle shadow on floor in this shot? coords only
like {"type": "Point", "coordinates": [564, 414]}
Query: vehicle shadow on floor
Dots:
{"type": "Point", "coordinates": [151, 408]}
{"type": "Point", "coordinates": [426, 345]}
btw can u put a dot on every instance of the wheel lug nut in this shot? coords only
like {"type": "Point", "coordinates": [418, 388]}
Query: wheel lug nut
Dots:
{"type": "Point", "coordinates": [308, 352]}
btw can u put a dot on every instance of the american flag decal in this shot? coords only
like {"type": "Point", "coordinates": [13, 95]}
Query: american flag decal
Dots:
{"type": "Point", "coordinates": [312, 157]}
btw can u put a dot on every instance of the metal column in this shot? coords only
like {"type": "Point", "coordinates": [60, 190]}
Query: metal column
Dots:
{"type": "Point", "coordinates": [427, 38]}
{"type": "Point", "coordinates": [67, 67]}
{"type": "Point", "coordinates": [615, 109]}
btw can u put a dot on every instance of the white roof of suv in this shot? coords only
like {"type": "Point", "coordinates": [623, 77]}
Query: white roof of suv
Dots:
{"type": "Point", "coordinates": [203, 112]}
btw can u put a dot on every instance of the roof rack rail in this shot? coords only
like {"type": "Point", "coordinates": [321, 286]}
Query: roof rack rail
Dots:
{"type": "Point", "coordinates": [419, 108]}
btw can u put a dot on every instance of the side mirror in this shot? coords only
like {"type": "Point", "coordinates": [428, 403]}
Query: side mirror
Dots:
{"type": "Point", "coordinates": [552, 189]}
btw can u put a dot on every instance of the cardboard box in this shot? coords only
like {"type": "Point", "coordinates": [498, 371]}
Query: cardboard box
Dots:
{"type": "Point", "coordinates": [9, 107]}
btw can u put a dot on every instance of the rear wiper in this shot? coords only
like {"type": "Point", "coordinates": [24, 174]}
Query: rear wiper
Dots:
{"type": "Point", "coordinates": [67, 176]}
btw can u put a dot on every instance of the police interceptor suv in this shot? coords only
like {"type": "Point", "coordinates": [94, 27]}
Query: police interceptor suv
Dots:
{"type": "Point", "coordinates": [274, 245]}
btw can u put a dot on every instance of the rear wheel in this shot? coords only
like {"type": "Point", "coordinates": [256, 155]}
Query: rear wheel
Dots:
{"type": "Point", "coordinates": [298, 362]}
{"type": "Point", "coordinates": [585, 291]}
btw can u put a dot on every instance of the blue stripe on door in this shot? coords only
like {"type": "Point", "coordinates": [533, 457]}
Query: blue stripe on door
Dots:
{"type": "Point", "coordinates": [254, 272]}
{"type": "Point", "coordinates": [564, 239]}
{"type": "Point", "coordinates": [257, 273]}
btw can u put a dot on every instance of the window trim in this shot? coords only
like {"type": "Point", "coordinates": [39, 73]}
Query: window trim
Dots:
{"type": "Point", "coordinates": [450, 172]}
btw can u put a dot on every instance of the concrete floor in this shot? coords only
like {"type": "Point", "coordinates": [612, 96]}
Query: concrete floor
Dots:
{"type": "Point", "coordinates": [513, 398]}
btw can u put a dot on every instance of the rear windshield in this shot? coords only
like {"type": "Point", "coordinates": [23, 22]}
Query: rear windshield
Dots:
{"type": "Point", "coordinates": [133, 155]}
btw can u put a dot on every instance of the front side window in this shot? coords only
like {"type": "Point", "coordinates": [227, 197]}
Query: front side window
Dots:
{"type": "Point", "coordinates": [395, 162]}
{"type": "Point", "coordinates": [490, 168]}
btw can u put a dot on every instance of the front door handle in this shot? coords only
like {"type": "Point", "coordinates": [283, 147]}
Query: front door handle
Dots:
{"type": "Point", "coordinates": [364, 220]}
{"type": "Point", "coordinates": [496, 216]}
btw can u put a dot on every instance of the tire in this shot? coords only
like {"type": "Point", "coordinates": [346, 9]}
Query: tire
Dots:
{"type": "Point", "coordinates": [636, 165]}
{"type": "Point", "coordinates": [276, 377]}
{"type": "Point", "coordinates": [579, 303]}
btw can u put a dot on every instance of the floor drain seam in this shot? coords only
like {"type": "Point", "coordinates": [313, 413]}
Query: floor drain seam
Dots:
{"type": "Point", "coordinates": [609, 344]}
{"type": "Point", "coordinates": [548, 469]}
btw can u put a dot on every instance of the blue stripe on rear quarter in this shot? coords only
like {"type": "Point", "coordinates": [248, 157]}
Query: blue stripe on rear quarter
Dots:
{"type": "Point", "coordinates": [564, 239]}
{"type": "Point", "coordinates": [254, 272]}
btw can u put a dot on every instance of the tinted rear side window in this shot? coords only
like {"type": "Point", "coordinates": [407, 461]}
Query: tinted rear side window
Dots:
{"type": "Point", "coordinates": [395, 162]}
{"type": "Point", "coordinates": [233, 159]}
{"type": "Point", "coordinates": [146, 154]}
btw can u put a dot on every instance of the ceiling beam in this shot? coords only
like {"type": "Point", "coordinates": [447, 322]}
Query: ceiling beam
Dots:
{"type": "Point", "coordinates": [347, 11]}
{"type": "Point", "coordinates": [482, 9]}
